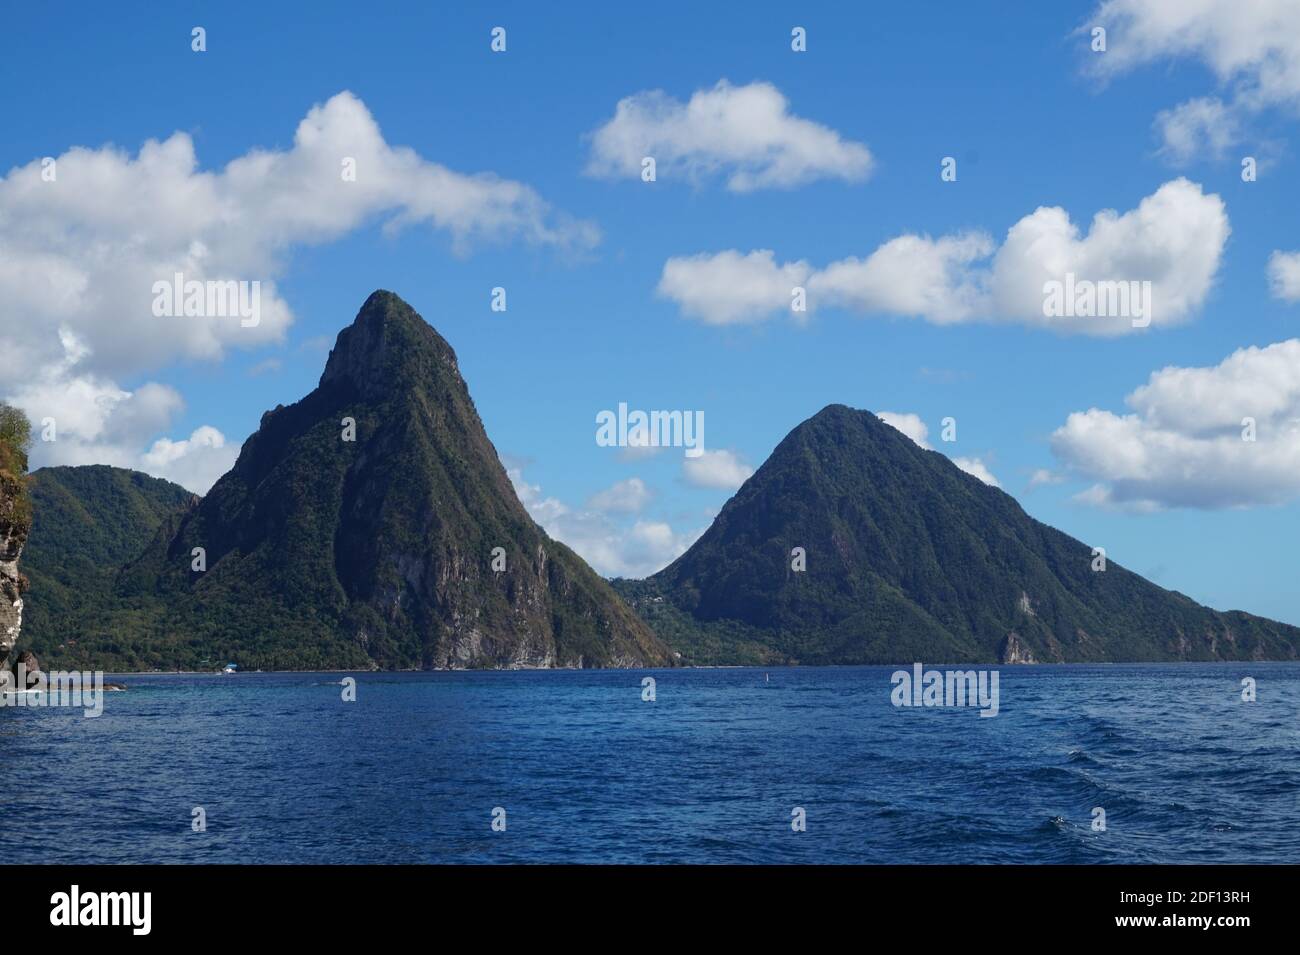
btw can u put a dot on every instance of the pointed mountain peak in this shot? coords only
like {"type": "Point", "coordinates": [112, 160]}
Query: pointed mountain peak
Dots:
{"type": "Point", "coordinates": [383, 306]}
{"type": "Point", "coordinates": [388, 344]}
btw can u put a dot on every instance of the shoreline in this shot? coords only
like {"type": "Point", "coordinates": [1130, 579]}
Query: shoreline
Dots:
{"type": "Point", "coordinates": [728, 666]}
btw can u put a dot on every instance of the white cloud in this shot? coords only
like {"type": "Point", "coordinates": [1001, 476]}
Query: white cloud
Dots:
{"type": "Point", "coordinates": [721, 469]}
{"type": "Point", "coordinates": [638, 448]}
{"type": "Point", "coordinates": [93, 421]}
{"type": "Point", "coordinates": [910, 275]}
{"type": "Point", "coordinates": [1042, 477]}
{"type": "Point", "coordinates": [976, 468]}
{"type": "Point", "coordinates": [917, 430]}
{"type": "Point", "coordinates": [730, 288]}
{"type": "Point", "coordinates": [194, 462]}
{"type": "Point", "coordinates": [84, 251]}
{"type": "Point", "coordinates": [1199, 127]}
{"type": "Point", "coordinates": [910, 424]}
{"type": "Point", "coordinates": [1102, 496]}
{"type": "Point", "coordinates": [1174, 239]}
{"type": "Point", "coordinates": [79, 257]}
{"type": "Point", "coordinates": [651, 546]}
{"type": "Point", "coordinates": [746, 133]}
{"type": "Point", "coordinates": [1284, 275]}
{"type": "Point", "coordinates": [266, 366]}
{"type": "Point", "coordinates": [612, 548]}
{"type": "Point", "coordinates": [628, 497]}
{"type": "Point", "coordinates": [1183, 446]}
{"type": "Point", "coordinates": [1252, 48]}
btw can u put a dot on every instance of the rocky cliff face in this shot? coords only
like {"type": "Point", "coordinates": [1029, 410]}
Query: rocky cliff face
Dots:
{"type": "Point", "coordinates": [15, 523]}
{"type": "Point", "coordinates": [1015, 651]}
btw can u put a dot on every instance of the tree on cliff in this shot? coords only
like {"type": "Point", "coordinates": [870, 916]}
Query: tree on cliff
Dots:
{"type": "Point", "coordinates": [15, 439]}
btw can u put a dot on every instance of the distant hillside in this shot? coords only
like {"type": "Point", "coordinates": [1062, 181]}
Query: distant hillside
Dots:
{"type": "Point", "coordinates": [87, 522]}
{"type": "Point", "coordinates": [909, 558]}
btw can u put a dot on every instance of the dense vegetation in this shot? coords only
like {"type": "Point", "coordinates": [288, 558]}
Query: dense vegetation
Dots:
{"type": "Point", "coordinates": [15, 439]}
{"type": "Point", "coordinates": [909, 558]}
{"type": "Point", "coordinates": [323, 553]}
{"type": "Point", "coordinates": [356, 530]}
{"type": "Point", "coordinates": [88, 521]}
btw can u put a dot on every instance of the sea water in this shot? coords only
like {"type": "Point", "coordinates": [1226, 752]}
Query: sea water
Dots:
{"type": "Point", "coordinates": [579, 766]}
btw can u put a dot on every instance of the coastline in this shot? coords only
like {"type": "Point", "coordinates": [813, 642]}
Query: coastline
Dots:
{"type": "Point", "coordinates": [729, 666]}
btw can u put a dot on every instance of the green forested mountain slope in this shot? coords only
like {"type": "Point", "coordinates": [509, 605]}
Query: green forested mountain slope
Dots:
{"type": "Point", "coordinates": [909, 558]}
{"type": "Point", "coordinates": [87, 522]}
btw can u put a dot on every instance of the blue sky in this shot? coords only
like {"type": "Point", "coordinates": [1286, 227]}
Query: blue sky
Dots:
{"type": "Point", "coordinates": [1010, 90]}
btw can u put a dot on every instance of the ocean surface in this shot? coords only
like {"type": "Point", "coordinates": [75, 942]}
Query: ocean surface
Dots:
{"type": "Point", "coordinates": [709, 772]}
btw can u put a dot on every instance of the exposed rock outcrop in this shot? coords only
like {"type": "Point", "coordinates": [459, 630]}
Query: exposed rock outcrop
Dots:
{"type": "Point", "coordinates": [1014, 650]}
{"type": "Point", "coordinates": [29, 667]}
{"type": "Point", "coordinates": [15, 523]}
